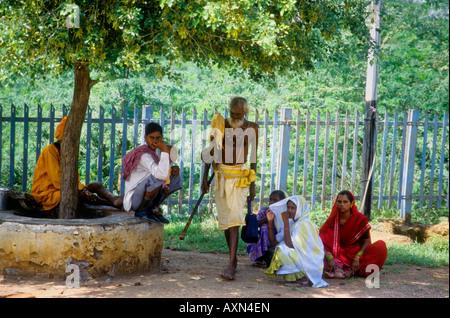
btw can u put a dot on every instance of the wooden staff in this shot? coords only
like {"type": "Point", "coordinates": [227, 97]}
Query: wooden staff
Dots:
{"type": "Point", "coordinates": [183, 234]}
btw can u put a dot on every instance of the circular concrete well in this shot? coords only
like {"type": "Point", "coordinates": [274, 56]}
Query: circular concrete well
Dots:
{"type": "Point", "coordinates": [117, 243]}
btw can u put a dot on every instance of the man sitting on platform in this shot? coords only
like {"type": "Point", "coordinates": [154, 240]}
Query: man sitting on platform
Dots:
{"type": "Point", "coordinates": [46, 187]}
{"type": "Point", "coordinates": [149, 179]}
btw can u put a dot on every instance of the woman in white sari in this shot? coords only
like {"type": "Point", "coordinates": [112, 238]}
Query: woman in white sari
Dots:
{"type": "Point", "coordinates": [299, 250]}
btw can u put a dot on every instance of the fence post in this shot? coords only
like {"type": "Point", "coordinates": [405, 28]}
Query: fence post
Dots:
{"type": "Point", "coordinates": [124, 143]}
{"type": "Point", "coordinates": [408, 164]}
{"type": "Point", "coordinates": [12, 145]}
{"type": "Point", "coordinates": [147, 116]}
{"type": "Point", "coordinates": [25, 147]}
{"type": "Point", "coordinates": [283, 154]}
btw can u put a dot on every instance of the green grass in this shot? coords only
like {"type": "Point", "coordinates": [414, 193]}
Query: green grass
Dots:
{"type": "Point", "coordinates": [430, 254]}
{"type": "Point", "coordinates": [204, 236]}
{"type": "Point", "coordinates": [420, 215]}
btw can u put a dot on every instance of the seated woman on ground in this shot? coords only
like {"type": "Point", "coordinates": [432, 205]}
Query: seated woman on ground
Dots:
{"type": "Point", "coordinates": [346, 238]}
{"type": "Point", "coordinates": [298, 256]}
{"type": "Point", "coordinates": [261, 252]}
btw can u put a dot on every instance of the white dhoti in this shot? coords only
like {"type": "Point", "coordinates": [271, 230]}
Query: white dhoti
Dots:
{"type": "Point", "coordinates": [231, 187]}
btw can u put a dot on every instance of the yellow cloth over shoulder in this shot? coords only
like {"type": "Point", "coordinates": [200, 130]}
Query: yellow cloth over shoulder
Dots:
{"type": "Point", "coordinates": [217, 129]}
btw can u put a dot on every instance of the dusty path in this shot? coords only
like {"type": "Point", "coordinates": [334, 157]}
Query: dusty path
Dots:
{"type": "Point", "coordinates": [187, 274]}
{"type": "Point", "coordinates": [192, 274]}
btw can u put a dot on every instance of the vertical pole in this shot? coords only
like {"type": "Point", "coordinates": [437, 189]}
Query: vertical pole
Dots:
{"type": "Point", "coordinates": [369, 143]}
{"type": "Point", "coordinates": [112, 150]}
{"type": "Point", "coordinates": [147, 115]}
{"type": "Point", "coordinates": [408, 171]}
{"type": "Point", "coordinates": [316, 162]}
{"type": "Point", "coordinates": [172, 142]}
{"type": "Point", "coordinates": [335, 154]}
{"type": "Point", "coordinates": [345, 151]}
{"type": "Point", "coordinates": [88, 145]}
{"type": "Point", "coordinates": [101, 129]}
{"type": "Point", "coordinates": [274, 149]}
{"type": "Point", "coordinates": [424, 159]}
{"type": "Point", "coordinates": [441, 164]}
{"type": "Point", "coordinates": [191, 164]}
{"type": "Point", "coordinates": [283, 154]}
{"type": "Point", "coordinates": [182, 146]}
{"type": "Point", "coordinates": [383, 160]}
{"type": "Point", "coordinates": [391, 172]}
{"type": "Point", "coordinates": [325, 176]}
{"type": "Point", "coordinates": [402, 159]}
{"type": "Point", "coordinates": [264, 158]}
{"type": "Point", "coordinates": [39, 132]}
{"type": "Point", "coordinates": [124, 143]}
{"type": "Point", "coordinates": [305, 153]}
{"type": "Point", "coordinates": [25, 148]}
{"type": "Point", "coordinates": [52, 124]}
{"type": "Point", "coordinates": [297, 145]}
{"type": "Point", "coordinates": [12, 145]}
{"type": "Point", "coordinates": [433, 159]}
{"type": "Point", "coordinates": [135, 126]}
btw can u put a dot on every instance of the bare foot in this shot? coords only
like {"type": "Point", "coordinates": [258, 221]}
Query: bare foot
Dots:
{"type": "Point", "coordinates": [329, 274]}
{"type": "Point", "coordinates": [299, 283]}
{"type": "Point", "coordinates": [339, 273]}
{"type": "Point", "coordinates": [229, 272]}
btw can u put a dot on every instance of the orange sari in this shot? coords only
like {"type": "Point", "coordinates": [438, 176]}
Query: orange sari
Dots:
{"type": "Point", "coordinates": [343, 242]}
{"type": "Point", "coordinates": [46, 187]}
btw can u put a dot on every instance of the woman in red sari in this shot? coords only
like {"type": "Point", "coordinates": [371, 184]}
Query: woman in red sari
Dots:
{"type": "Point", "coordinates": [346, 239]}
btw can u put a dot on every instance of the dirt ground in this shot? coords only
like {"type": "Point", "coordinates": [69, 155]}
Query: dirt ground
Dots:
{"type": "Point", "coordinates": [186, 274]}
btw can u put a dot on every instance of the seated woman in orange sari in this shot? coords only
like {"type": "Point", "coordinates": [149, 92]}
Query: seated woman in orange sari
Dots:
{"type": "Point", "coordinates": [346, 239]}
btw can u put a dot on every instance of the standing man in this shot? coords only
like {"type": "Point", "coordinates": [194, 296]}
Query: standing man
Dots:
{"type": "Point", "coordinates": [228, 153]}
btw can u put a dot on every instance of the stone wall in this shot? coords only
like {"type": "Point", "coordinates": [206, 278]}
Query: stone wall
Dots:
{"type": "Point", "coordinates": [118, 243]}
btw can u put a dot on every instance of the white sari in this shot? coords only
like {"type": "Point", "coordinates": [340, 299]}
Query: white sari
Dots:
{"type": "Point", "coordinates": [308, 252]}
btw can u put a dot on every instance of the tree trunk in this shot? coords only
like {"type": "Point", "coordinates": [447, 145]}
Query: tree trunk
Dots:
{"type": "Point", "coordinates": [71, 141]}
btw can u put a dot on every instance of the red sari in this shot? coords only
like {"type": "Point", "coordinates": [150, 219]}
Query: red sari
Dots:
{"type": "Point", "coordinates": [343, 242]}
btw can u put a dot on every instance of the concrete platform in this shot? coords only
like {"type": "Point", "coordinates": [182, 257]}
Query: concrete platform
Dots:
{"type": "Point", "coordinates": [117, 243]}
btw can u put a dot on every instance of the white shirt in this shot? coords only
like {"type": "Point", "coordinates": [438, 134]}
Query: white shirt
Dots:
{"type": "Point", "coordinates": [146, 166]}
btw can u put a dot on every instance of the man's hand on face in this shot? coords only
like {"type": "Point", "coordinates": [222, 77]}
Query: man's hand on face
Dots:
{"type": "Point", "coordinates": [161, 145]}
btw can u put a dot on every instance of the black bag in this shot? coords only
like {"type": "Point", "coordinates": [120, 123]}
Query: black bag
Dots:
{"type": "Point", "coordinates": [250, 231]}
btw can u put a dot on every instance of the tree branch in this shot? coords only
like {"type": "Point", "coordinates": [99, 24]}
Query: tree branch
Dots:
{"type": "Point", "coordinates": [92, 83]}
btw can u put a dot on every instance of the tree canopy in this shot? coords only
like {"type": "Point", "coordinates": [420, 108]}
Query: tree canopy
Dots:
{"type": "Point", "coordinates": [413, 73]}
{"type": "Point", "coordinates": [262, 36]}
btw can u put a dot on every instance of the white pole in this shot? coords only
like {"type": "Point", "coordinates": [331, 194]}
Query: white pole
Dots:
{"type": "Point", "coordinates": [372, 65]}
{"type": "Point", "coordinates": [369, 142]}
